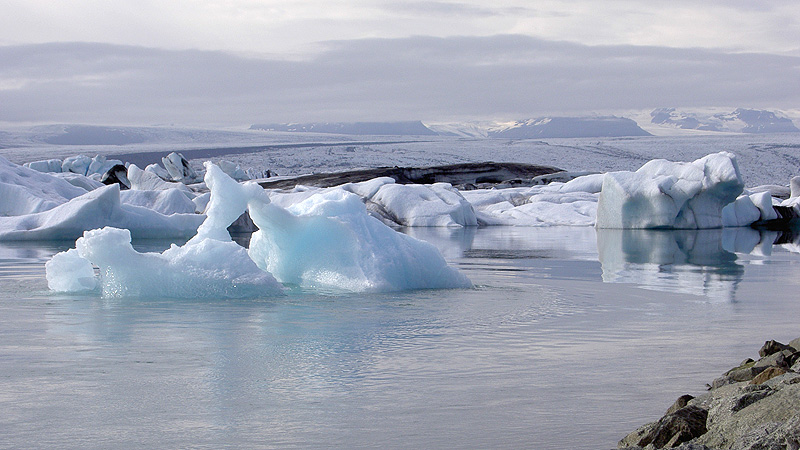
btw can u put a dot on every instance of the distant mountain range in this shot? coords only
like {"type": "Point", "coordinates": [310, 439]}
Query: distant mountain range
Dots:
{"type": "Point", "coordinates": [741, 120]}
{"type": "Point", "coordinates": [569, 127]}
{"type": "Point", "coordinates": [413, 128]}
{"type": "Point", "coordinates": [543, 127]}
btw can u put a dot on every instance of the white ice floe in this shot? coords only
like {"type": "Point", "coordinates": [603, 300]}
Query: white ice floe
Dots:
{"type": "Point", "coordinates": [664, 194]}
{"type": "Point", "coordinates": [740, 213]}
{"type": "Point", "coordinates": [167, 202]}
{"type": "Point", "coordinates": [27, 191]}
{"type": "Point", "coordinates": [326, 241]}
{"type": "Point", "coordinates": [330, 241]}
{"type": "Point", "coordinates": [556, 204]}
{"type": "Point", "coordinates": [416, 205]}
{"type": "Point", "coordinates": [47, 165]}
{"type": "Point", "coordinates": [98, 208]}
{"type": "Point", "coordinates": [205, 268]}
{"type": "Point", "coordinates": [81, 181]}
{"type": "Point", "coordinates": [398, 205]}
{"type": "Point", "coordinates": [179, 168]}
{"type": "Point", "coordinates": [148, 180]}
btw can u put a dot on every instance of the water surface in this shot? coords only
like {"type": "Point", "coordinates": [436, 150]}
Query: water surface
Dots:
{"type": "Point", "coordinates": [570, 339]}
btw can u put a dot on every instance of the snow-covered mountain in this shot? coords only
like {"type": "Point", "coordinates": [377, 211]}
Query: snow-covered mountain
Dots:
{"type": "Point", "coordinates": [740, 120]}
{"type": "Point", "coordinates": [568, 127]}
{"type": "Point", "coordinates": [412, 128]}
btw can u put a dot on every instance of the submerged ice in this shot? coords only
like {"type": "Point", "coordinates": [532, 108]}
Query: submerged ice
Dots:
{"type": "Point", "coordinates": [325, 241]}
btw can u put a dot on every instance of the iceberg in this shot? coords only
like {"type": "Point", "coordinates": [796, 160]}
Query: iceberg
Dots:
{"type": "Point", "coordinates": [556, 204]}
{"type": "Point", "coordinates": [398, 205]}
{"type": "Point", "coordinates": [204, 268]}
{"type": "Point", "coordinates": [664, 194]}
{"type": "Point", "coordinates": [148, 180]}
{"type": "Point", "coordinates": [330, 241]}
{"type": "Point", "coordinates": [98, 208]}
{"type": "Point", "coordinates": [27, 191]}
{"type": "Point", "coordinates": [416, 205]}
{"type": "Point", "coordinates": [327, 241]}
{"type": "Point", "coordinates": [167, 202]}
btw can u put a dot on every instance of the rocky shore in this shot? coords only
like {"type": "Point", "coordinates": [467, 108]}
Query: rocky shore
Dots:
{"type": "Point", "coordinates": [753, 406]}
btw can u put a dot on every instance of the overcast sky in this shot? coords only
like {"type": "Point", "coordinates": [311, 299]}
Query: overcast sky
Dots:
{"type": "Point", "coordinates": [236, 62]}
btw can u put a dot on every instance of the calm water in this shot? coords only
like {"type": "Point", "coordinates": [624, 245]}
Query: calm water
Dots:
{"type": "Point", "coordinates": [569, 340]}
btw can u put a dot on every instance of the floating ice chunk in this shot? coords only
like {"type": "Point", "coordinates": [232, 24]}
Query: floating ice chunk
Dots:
{"type": "Point", "coordinates": [148, 181]}
{"type": "Point", "coordinates": [415, 205]}
{"type": "Point", "coordinates": [81, 181]}
{"type": "Point", "coordinates": [169, 201]}
{"type": "Point", "coordinates": [228, 201]}
{"type": "Point", "coordinates": [664, 194]}
{"type": "Point", "coordinates": [49, 165]}
{"type": "Point", "coordinates": [330, 241]}
{"type": "Point", "coordinates": [96, 209]}
{"type": "Point", "coordinates": [204, 268]}
{"type": "Point", "coordinates": [592, 183]}
{"type": "Point", "coordinates": [233, 170]}
{"type": "Point", "coordinates": [326, 241]}
{"type": "Point", "coordinates": [158, 170]}
{"type": "Point", "coordinates": [179, 168]}
{"type": "Point", "coordinates": [741, 213]}
{"type": "Point", "coordinates": [68, 272]}
{"type": "Point", "coordinates": [794, 185]}
{"type": "Point", "coordinates": [76, 164]}
{"type": "Point", "coordinates": [101, 165]}
{"type": "Point", "coordinates": [201, 202]}
{"type": "Point", "coordinates": [763, 201]}
{"type": "Point", "coordinates": [27, 191]}
{"type": "Point", "coordinates": [533, 206]}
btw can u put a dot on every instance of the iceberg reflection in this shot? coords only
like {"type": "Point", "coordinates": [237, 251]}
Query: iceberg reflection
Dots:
{"type": "Point", "coordinates": [699, 262]}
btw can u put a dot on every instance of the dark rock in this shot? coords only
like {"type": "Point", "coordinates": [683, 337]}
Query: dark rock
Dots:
{"type": "Point", "coordinates": [455, 174]}
{"type": "Point", "coordinates": [683, 425]}
{"type": "Point", "coordinates": [769, 373]}
{"type": "Point", "coordinates": [783, 359]}
{"type": "Point", "coordinates": [771, 347]}
{"type": "Point", "coordinates": [795, 344]}
{"type": "Point", "coordinates": [636, 437]}
{"type": "Point", "coordinates": [746, 372]}
{"type": "Point", "coordinates": [681, 402]}
{"type": "Point", "coordinates": [672, 430]}
{"type": "Point", "coordinates": [749, 398]}
{"type": "Point", "coordinates": [117, 174]}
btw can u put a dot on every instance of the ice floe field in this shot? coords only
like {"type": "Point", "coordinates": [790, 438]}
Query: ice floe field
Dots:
{"type": "Point", "coordinates": [497, 318]}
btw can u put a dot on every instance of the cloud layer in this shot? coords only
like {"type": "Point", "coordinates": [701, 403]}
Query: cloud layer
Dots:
{"type": "Point", "coordinates": [500, 76]}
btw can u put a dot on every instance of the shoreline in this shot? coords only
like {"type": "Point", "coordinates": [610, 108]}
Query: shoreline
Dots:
{"type": "Point", "coordinates": [753, 406]}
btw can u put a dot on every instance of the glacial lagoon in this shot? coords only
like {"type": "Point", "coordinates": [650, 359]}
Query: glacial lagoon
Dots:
{"type": "Point", "coordinates": [570, 338]}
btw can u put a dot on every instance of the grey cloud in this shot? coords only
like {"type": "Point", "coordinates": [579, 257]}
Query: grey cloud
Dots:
{"type": "Point", "coordinates": [449, 9]}
{"type": "Point", "coordinates": [380, 79]}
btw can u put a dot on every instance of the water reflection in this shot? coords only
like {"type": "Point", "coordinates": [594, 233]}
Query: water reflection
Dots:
{"type": "Point", "coordinates": [699, 262]}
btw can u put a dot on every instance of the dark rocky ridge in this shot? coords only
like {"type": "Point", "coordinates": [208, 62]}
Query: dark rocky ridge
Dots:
{"type": "Point", "coordinates": [754, 406]}
{"type": "Point", "coordinates": [455, 174]}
